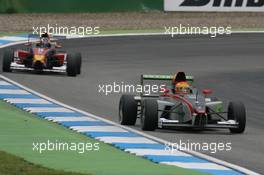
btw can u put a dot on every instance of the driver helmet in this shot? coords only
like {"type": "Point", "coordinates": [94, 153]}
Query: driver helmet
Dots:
{"type": "Point", "coordinates": [182, 88]}
{"type": "Point", "coordinates": [45, 39]}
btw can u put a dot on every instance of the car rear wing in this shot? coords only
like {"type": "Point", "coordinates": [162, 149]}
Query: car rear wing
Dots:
{"type": "Point", "coordinates": [158, 77]}
{"type": "Point", "coordinates": [52, 37]}
{"type": "Point", "coordinates": [189, 78]}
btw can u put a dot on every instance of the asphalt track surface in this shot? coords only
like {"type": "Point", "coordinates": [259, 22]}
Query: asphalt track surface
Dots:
{"type": "Point", "coordinates": [233, 66]}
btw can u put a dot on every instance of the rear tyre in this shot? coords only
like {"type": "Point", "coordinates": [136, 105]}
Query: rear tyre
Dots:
{"type": "Point", "coordinates": [127, 110]}
{"type": "Point", "coordinates": [149, 118]}
{"type": "Point", "coordinates": [79, 62]}
{"type": "Point", "coordinates": [237, 112]}
{"type": "Point", "coordinates": [7, 60]}
{"type": "Point", "coordinates": [72, 65]}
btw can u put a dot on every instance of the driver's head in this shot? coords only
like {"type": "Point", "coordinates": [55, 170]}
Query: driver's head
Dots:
{"type": "Point", "coordinates": [182, 88]}
{"type": "Point", "coordinates": [45, 35]}
{"type": "Point", "coordinates": [45, 39]}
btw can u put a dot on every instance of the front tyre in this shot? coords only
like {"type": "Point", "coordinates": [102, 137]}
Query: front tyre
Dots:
{"type": "Point", "coordinates": [237, 112]}
{"type": "Point", "coordinates": [149, 118]}
{"type": "Point", "coordinates": [72, 65]}
{"type": "Point", "coordinates": [7, 60]}
{"type": "Point", "coordinates": [127, 110]}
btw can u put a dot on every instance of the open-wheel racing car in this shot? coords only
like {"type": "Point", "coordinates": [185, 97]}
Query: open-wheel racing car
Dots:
{"type": "Point", "coordinates": [180, 106]}
{"type": "Point", "coordinates": [42, 55]}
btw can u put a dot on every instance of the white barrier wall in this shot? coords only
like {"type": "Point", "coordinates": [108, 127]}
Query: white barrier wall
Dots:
{"type": "Point", "coordinates": [215, 5]}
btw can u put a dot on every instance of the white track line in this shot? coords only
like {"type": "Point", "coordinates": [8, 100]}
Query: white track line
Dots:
{"type": "Point", "coordinates": [125, 140]}
{"type": "Point", "coordinates": [70, 119]}
{"type": "Point", "coordinates": [44, 109]}
{"type": "Point", "coordinates": [208, 166]}
{"type": "Point", "coordinates": [13, 91]}
{"type": "Point", "coordinates": [97, 129]}
{"type": "Point", "coordinates": [27, 101]}
{"type": "Point", "coordinates": [12, 44]}
{"type": "Point", "coordinates": [13, 38]}
{"type": "Point", "coordinates": [4, 83]}
{"type": "Point", "coordinates": [142, 152]}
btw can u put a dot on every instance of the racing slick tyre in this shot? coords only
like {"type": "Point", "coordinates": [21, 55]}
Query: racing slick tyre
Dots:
{"type": "Point", "coordinates": [149, 118]}
{"type": "Point", "coordinates": [7, 60]}
{"type": "Point", "coordinates": [237, 112]}
{"type": "Point", "coordinates": [79, 60]}
{"type": "Point", "coordinates": [72, 65]}
{"type": "Point", "coordinates": [127, 110]}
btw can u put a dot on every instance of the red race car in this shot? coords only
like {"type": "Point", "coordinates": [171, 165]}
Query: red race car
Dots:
{"type": "Point", "coordinates": [42, 55]}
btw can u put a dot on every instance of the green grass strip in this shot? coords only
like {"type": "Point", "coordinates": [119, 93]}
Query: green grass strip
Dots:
{"type": "Point", "coordinates": [13, 165]}
{"type": "Point", "coordinates": [19, 129]}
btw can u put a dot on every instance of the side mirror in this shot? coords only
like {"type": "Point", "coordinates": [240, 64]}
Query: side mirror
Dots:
{"type": "Point", "coordinates": [207, 91]}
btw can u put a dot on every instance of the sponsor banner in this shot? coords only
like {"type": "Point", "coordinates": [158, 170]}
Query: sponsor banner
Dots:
{"type": "Point", "coordinates": [79, 6]}
{"type": "Point", "coordinates": [215, 5]}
